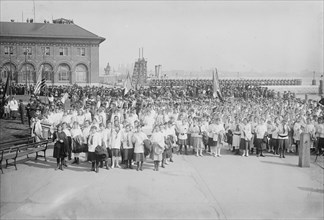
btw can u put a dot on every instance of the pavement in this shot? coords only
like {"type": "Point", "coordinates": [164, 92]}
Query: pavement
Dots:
{"type": "Point", "coordinates": [229, 187]}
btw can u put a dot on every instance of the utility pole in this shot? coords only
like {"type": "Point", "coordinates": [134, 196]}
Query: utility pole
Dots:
{"type": "Point", "coordinates": [34, 11]}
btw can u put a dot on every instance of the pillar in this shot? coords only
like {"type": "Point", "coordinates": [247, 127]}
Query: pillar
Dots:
{"type": "Point", "coordinates": [304, 150]}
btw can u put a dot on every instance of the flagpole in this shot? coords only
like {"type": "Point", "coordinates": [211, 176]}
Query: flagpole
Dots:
{"type": "Point", "coordinates": [10, 90]}
{"type": "Point", "coordinates": [25, 53]}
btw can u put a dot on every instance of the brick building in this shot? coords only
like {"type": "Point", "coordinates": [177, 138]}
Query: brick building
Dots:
{"type": "Point", "coordinates": [62, 52]}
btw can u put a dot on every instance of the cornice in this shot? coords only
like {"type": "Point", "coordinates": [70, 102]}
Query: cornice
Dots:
{"type": "Point", "coordinates": [48, 41]}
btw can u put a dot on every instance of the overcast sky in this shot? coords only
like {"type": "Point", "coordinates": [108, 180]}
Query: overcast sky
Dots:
{"type": "Point", "coordinates": [261, 36]}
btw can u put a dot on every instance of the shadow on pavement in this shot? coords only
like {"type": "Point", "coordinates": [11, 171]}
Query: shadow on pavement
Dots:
{"type": "Point", "coordinates": [51, 164]}
{"type": "Point", "coordinates": [311, 189]}
{"type": "Point", "coordinates": [283, 164]}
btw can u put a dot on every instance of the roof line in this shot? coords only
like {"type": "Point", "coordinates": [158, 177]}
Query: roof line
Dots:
{"type": "Point", "coordinates": [101, 38]}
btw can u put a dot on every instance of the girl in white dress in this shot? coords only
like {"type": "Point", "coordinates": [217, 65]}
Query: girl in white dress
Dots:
{"type": "Point", "coordinates": [77, 141]}
{"type": "Point", "coordinates": [157, 140]}
{"type": "Point", "coordinates": [115, 146]}
{"type": "Point", "coordinates": [138, 139]}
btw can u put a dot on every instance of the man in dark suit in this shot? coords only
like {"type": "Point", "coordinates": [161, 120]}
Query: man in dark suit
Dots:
{"type": "Point", "coordinates": [21, 110]}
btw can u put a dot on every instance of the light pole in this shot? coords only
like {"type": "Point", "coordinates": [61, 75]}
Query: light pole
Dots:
{"type": "Point", "coordinates": [25, 53]}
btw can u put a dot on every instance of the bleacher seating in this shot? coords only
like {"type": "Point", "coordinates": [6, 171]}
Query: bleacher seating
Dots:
{"type": "Point", "coordinates": [223, 82]}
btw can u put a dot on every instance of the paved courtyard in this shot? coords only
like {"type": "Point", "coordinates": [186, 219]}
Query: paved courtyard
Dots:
{"type": "Point", "coordinates": [230, 187]}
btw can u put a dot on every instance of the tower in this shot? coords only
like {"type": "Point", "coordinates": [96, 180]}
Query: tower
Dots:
{"type": "Point", "coordinates": [140, 71]}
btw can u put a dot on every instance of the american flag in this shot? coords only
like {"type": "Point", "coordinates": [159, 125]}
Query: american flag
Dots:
{"type": "Point", "coordinates": [216, 87]}
{"type": "Point", "coordinates": [41, 82]}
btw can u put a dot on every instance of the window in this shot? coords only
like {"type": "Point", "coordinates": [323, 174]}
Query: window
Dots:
{"type": "Point", "coordinates": [81, 51]}
{"type": "Point", "coordinates": [27, 50]}
{"type": "Point", "coordinates": [63, 51]}
{"type": "Point", "coordinates": [81, 73]}
{"type": "Point", "coordinates": [48, 72]}
{"type": "Point", "coordinates": [64, 72]}
{"type": "Point", "coordinates": [8, 49]}
{"type": "Point", "coordinates": [28, 71]}
{"type": "Point", "coordinates": [6, 70]}
{"type": "Point", "coordinates": [46, 51]}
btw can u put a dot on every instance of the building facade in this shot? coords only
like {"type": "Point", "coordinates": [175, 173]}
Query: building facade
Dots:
{"type": "Point", "coordinates": [63, 53]}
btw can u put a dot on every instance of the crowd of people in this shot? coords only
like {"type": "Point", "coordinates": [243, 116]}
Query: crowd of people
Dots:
{"type": "Point", "coordinates": [113, 129]}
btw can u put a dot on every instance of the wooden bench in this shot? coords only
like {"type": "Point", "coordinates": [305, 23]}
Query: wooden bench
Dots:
{"type": "Point", "coordinates": [17, 142]}
{"type": "Point", "coordinates": [13, 152]}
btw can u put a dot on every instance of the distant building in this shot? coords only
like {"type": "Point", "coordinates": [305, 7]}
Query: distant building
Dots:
{"type": "Point", "coordinates": [107, 69]}
{"type": "Point", "coordinates": [62, 51]}
{"type": "Point", "coordinates": [158, 71]}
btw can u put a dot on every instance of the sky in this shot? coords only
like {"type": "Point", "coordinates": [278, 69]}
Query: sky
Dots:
{"type": "Point", "coordinates": [237, 36]}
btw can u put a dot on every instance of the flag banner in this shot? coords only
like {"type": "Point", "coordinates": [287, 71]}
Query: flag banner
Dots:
{"type": "Point", "coordinates": [41, 82]}
{"type": "Point", "coordinates": [216, 87]}
{"type": "Point", "coordinates": [127, 84]}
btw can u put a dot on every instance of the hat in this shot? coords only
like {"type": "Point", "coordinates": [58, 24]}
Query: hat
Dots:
{"type": "Point", "coordinates": [157, 148]}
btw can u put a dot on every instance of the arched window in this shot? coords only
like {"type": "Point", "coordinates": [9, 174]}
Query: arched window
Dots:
{"type": "Point", "coordinates": [48, 73]}
{"type": "Point", "coordinates": [81, 73]}
{"type": "Point", "coordinates": [64, 73]}
{"type": "Point", "coordinates": [27, 71]}
{"type": "Point", "coordinates": [5, 70]}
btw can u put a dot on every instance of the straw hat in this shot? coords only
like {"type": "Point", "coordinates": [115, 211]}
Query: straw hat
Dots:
{"type": "Point", "coordinates": [157, 148]}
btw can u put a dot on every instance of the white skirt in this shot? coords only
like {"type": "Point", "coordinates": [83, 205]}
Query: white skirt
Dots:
{"type": "Point", "coordinates": [236, 140]}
